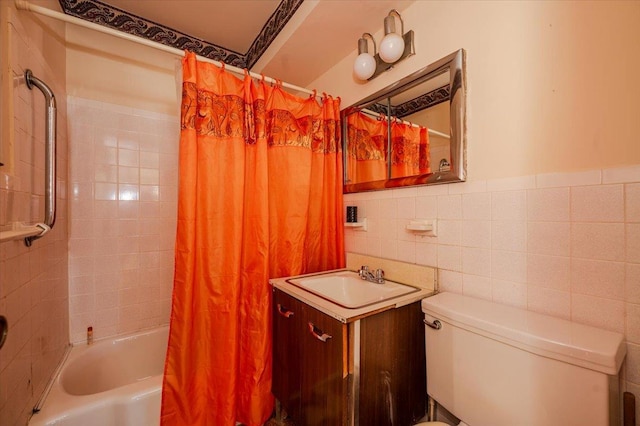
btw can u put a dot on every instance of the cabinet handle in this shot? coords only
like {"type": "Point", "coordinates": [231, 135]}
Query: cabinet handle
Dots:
{"type": "Point", "coordinates": [318, 334]}
{"type": "Point", "coordinates": [284, 311]}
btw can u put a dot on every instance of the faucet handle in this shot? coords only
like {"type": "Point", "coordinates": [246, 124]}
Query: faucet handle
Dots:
{"type": "Point", "coordinates": [364, 270]}
{"type": "Point", "coordinates": [379, 273]}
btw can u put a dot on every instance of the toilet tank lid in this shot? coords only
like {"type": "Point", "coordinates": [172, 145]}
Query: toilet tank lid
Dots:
{"type": "Point", "coordinates": [556, 338]}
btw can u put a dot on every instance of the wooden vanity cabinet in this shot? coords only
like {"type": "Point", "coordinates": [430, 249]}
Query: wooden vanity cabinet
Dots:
{"type": "Point", "coordinates": [371, 371]}
{"type": "Point", "coordinates": [311, 378]}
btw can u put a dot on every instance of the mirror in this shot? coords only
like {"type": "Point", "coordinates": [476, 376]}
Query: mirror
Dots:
{"type": "Point", "coordinates": [409, 133]}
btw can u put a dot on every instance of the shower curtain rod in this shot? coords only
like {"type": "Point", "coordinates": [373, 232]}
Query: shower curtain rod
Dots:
{"type": "Point", "coordinates": [408, 123]}
{"type": "Point", "coordinates": [25, 5]}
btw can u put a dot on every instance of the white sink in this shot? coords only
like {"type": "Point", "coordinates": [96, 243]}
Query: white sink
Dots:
{"type": "Point", "coordinates": [347, 289]}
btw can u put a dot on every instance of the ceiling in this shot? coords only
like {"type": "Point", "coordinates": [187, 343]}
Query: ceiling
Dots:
{"type": "Point", "coordinates": [293, 40]}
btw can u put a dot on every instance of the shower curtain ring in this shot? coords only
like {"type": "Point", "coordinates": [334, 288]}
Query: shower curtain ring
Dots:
{"type": "Point", "coordinates": [313, 95]}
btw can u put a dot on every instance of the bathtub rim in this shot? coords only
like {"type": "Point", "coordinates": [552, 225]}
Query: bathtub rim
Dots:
{"type": "Point", "coordinates": [68, 404]}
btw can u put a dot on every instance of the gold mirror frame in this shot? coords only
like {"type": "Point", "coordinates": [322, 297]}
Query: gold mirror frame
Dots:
{"type": "Point", "coordinates": [454, 65]}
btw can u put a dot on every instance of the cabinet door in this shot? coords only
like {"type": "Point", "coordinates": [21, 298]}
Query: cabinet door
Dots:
{"type": "Point", "coordinates": [287, 331]}
{"type": "Point", "coordinates": [392, 367]}
{"type": "Point", "coordinates": [324, 370]}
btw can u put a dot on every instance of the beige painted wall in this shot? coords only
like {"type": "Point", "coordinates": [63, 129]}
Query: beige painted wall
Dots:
{"type": "Point", "coordinates": [552, 85]}
{"type": "Point", "coordinates": [107, 69]}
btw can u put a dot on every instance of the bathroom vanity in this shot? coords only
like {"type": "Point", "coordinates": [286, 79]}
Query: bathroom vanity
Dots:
{"type": "Point", "coordinates": [334, 365]}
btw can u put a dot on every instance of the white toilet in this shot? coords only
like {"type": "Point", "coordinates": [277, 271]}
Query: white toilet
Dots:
{"type": "Point", "coordinates": [496, 365]}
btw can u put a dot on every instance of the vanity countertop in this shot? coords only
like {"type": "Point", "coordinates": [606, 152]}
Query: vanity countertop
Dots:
{"type": "Point", "coordinates": [338, 312]}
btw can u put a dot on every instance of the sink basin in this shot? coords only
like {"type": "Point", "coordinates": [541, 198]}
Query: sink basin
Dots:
{"type": "Point", "coordinates": [347, 289]}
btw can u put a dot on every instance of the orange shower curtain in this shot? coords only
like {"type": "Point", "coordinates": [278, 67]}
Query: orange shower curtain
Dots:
{"type": "Point", "coordinates": [260, 196]}
{"type": "Point", "coordinates": [409, 150]}
{"type": "Point", "coordinates": [367, 148]}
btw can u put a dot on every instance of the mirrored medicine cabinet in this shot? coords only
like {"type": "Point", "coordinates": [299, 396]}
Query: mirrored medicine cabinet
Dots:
{"type": "Point", "coordinates": [412, 132]}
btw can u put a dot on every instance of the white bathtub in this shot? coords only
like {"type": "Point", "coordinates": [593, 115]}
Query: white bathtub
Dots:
{"type": "Point", "coordinates": [110, 383]}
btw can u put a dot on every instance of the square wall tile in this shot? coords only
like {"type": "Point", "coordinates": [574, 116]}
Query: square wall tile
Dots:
{"type": "Point", "coordinates": [610, 312]}
{"type": "Point", "coordinates": [509, 205]}
{"type": "Point", "coordinates": [476, 233]}
{"type": "Point", "coordinates": [549, 301]}
{"type": "Point", "coordinates": [632, 250]}
{"type": "Point", "coordinates": [509, 266]}
{"type": "Point", "coordinates": [476, 286]}
{"type": "Point", "coordinates": [602, 241]}
{"type": "Point", "coordinates": [450, 281]}
{"type": "Point", "coordinates": [632, 202]}
{"type": "Point", "coordinates": [427, 253]}
{"type": "Point", "coordinates": [597, 278]}
{"type": "Point", "coordinates": [450, 207]}
{"type": "Point", "coordinates": [550, 238]}
{"type": "Point", "coordinates": [426, 207]}
{"type": "Point", "coordinates": [476, 261]}
{"type": "Point", "coordinates": [548, 205]}
{"type": "Point", "coordinates": [509, 293]}
{"type": "Point", "coordinates": [406, 251]}
{"type": "Point", "coordinates": [632, 282]}
{"type": "Point", "coordinates": [509, 235]}
{"type": "Point", "coordinates": [449, 232]}
{"type": "Point", "coordinates": [449, 257]}
{"type": "Point", "coordinates": [553, 272]}
{"type": "Point", "coordinates": [388, 208]}
{"type": "Point", "coordinates": [603, 203]}
{"type": "Point", "coordinates": [633, 323]}
{"type": "Point", "coordinates": [476, 206]}
{"type": "Point", "coordinates": [406, 208]}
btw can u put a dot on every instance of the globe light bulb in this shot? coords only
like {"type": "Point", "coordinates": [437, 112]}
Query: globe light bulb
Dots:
{"type": "Point", "coordinates": [391, 48]}
{"type": "Point", "coordinates": [364, 66]}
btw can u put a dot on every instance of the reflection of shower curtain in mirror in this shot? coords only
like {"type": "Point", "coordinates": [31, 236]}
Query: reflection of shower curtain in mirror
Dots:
{"type": "Point", "coordinates": [367, 149]}
{"type": "Point", "coordinates": [409, 150]}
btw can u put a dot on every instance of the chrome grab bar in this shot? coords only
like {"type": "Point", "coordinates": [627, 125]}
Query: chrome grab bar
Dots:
{"type": "Point", "coordinates": [50, 157]}
{"type": "Point", "coordinates": [436, 325]}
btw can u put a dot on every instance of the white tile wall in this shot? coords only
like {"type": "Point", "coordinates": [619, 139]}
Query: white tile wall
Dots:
{"type": "Point", "coordinates": [33, 281]}
{"type": "Point", "coordinates": [124, 176]}
{"type": "Point", "coordinates": [563, 244]}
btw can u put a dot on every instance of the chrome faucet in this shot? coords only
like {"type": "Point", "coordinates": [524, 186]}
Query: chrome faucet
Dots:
{"type": "Point", "coordinates": [376, 277]}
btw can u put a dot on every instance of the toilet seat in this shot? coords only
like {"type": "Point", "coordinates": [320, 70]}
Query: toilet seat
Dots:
{"type": "Point", "coordinates": [432, 424]}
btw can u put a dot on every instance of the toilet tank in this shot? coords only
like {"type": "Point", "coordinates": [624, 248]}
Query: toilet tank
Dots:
{"type": "Point", "coordinates": [492, 365]}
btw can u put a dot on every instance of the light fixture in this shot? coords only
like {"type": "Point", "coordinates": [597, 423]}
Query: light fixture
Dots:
{"type": "Point", "coordinates": [393, 48]}
{"type": "Point", "coordinates": [392, 45]}
{"type": "Point", "coordinates": [365, 64]}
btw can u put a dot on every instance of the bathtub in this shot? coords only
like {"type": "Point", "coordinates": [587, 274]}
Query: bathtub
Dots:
{"type": "Point", "coordinates": [114, 382]}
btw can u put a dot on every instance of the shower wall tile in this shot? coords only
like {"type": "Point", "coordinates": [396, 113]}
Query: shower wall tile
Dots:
{"type": "Point", "coordinates": [34, 281]}
{"type": "Point", "coordinates": [562, 244]}
{"type": "Point", "coordinates": [125, 249]}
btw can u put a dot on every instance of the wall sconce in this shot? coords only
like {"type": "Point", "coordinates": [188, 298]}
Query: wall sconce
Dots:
{"type": "Point", "coordinates": [394, 47]}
